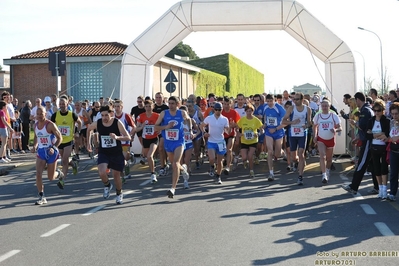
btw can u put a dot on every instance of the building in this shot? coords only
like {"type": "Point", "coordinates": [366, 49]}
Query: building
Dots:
{"type": "Point", "coordinates": [308, 89]}
{"type": "Point", "coordinates": [4, 80]}
{"type": "Point", "coordinates": [92, 71]}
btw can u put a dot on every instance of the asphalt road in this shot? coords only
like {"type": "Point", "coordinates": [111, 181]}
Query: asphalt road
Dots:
{"type": "Point", "coordinates": [241, 222]}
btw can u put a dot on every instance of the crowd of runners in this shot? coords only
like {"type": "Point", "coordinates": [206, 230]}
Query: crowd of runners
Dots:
{"type": "Point", "coordinates": [179, 133]}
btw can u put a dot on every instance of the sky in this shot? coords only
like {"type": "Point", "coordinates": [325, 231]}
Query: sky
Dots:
{"type": "Point", "coordinates": [28, 26]}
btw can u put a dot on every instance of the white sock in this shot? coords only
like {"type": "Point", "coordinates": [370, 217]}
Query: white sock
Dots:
{"type": "Point", "coordinates": [271, 172]}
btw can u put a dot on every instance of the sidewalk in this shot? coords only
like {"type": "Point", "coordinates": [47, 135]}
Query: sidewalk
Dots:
{"type": "Point", "coordinates": [16, 161]}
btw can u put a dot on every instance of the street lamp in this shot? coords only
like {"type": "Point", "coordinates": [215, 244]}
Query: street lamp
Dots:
{"type": "Point", "coordinates": [382, 67]}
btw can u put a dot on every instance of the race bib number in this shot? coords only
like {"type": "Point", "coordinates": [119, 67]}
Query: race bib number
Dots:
{"type": "Point", "coordinates": [44, 141]}
{"type": "Point", "coordinates": [148, 130]}
{"type": "Point", "coordinates": [187, 137]}
{"type": "Point", "coordinates": [222, 146]}
{"type": "Point", "coordinates": [107, 142]}
{"type": "Point", "coordinates": [65, 130]}
{"type": "Point", "coordinates": [326, 125]}
{"type": "Point", "coordinates": [272, 121]}
{"type": "Point", "coordinates": [248, 134]}
{"type": "Point", "coordinates": [394, 132]}
{"type": "Point", "coordinates": [297, 131]}
{"type": "Point", "coordinates": [172, 134]}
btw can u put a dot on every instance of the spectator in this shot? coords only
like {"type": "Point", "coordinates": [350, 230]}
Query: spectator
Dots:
{"type": "Point", "coordinates": [25, 117]}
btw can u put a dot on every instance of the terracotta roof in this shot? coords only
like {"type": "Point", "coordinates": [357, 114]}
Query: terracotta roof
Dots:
{"type": "Point", "coordinates": [79, 49]}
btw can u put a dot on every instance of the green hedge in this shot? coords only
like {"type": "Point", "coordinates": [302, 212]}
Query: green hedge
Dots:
{"type": "Point", "coordinates": [241, 78]}
{"type": "Point", "coordinates": [208, 81]}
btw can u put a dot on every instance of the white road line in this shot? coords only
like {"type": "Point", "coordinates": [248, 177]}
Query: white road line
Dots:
{"type": "Point", "coordinates": [367, 209]}
{"type": "Point", "coordinates": [145, 182]}
{"type": "Point", "coordinates": [384, 229]}
{"type": "Point", "coordinates": [9, 254]}
{"type": "Point", "coordinates": [343, 177]}
{"type": "Point", "coordinates": [94, 210]}
{"type": "Point", "coordinates": [55, 230]}
{"type": "Point", "coordinates": [358, 196]}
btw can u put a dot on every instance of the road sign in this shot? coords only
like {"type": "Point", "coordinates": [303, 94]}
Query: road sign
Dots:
{"type": "Point", "coordinates": [57, 61]}
{"type": "Point", "coordinates": [170, 77]}
{"type": "Point", "coordinates": [170, 87]}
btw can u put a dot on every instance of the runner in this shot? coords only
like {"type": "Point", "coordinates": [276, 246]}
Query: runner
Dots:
{"type": "Point", "coordinates": [159, 106]}
{"type": "Point", "coordinates": [134, 113]}
{"type": "Point", "coordinates": [130, 127]}
{"type": "Point", "coordinates": [80, 141]}
{"type": "Point", "coordinates": [196, 114]}
{"type": "Point", "coordinates": [170, 123]}
{"type": "Point", "coordinates": [325, 124]}
{"type": "Point", "coordinates": [298, 117]}
{"type": "Point", "coordinates": [145, 124]}
{"type": "Point", "coordinates": [111, 133]}
{"type": "Point", "coordinates": [65, 121]}
{"type": "Point", "coordinates": [45, 144]}
{"type": "Point", "coordinates": [274, 131]}
{"type": "Point", "coordinates": [217, 125]}
{"type": "Point", "coordinates": [233, 117]}
{"type": "Point", "coordinates": [249, 126]}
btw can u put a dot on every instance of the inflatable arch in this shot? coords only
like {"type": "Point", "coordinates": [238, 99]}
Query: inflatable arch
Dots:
{"type": "Point", "coordinates": [236, 15]}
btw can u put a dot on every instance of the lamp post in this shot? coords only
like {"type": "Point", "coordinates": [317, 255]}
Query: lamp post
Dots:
{"type": "Point", "coordinates": [364, 72]}
{"type": "Point", "coordinates": [382, 67]}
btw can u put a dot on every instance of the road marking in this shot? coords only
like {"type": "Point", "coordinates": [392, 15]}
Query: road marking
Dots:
{"type": "Point", "coordinates": [367, 209]}
{"type": "Point", "coordinates": [9, 254]}
{"type": "Point", "coordinates": [384, 229]}
{"type": "Point", "coordinates": [358, 196]}
{"type": "Point", "coordinates": [343, 177]}
{"type": "Point", "coordinates": [55, 230]}
{"type": "Point", "coordinates": [94, 210]}
{"type": "Point", "coordinates": [145, 182]}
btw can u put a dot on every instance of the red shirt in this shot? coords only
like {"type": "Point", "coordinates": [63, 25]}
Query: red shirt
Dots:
{"type": "Point", "coordinates": [149, 122]}
{"type": "Point", "coordinates": [232, 115]}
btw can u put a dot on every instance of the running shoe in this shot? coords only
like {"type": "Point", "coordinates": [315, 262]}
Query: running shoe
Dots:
{"type": "Point", "coordinates": [251, 174]}
{"type": "Point", "coordinates": [367, 174]}
{"type": "Point", "coordinates": [271, 177]}
{"type": "Point", "coordinates": [42, 200]}
{"type": "Point", "coordinates": [256, 161]}
{"type": "Point", "coordinates": [219, 181]}
{"type": "Point", "coordinates": [127, 168]}
{"type": "Point", "coordinates": [185, 174]}
{"type": "Point", "coordinates": [61, 183]}
{"type": "Point", "coordinates": [391, 198]}
{"type": "Point", "coordinates": [132, 158]}
{"type": "Point", "coordinates": [245, 163]}
{"type": "Point", "coordinates": [300, 181]}
{"type": "Point", "coordinates": [107, 191]}
{"type": "Point", "coordinates": [185, 184]}
{"type": "Point", "coordinates": [324, 178]}
{"type": "Point", "coordinates": [226, 171]}
{"type": "Point", "coordinates": [211, 172]}
{"type": "Point", "coordinates": [154, 178]}
{"type": "Point", "coordinates": [74, 166]}
{"type": "Point", "coordinates": [119, 199]}
{"type": "Point", "coordinates": [289, 168]}
{"type": "Point", "coordinates": [142, 162]}
{"type": "Point", "coordinates": [373, 191]}
{"type": "Point", "coordinates": [171, 193]}
{"type": "Point", "coordinates": [162, 171]}
{"type": "Point", "coordinates": [349, 189]}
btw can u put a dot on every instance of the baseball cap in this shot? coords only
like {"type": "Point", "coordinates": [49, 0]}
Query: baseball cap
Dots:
{"type": "Point", "coordinates": [217, 106]}
{"type": "Point", "coordinates": [47, 99]}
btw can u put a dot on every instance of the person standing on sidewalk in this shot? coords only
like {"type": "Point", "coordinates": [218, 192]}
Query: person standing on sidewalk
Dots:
{"type": "Point", "coordinates": [394, 150]}
{"type": "Point", "coordinates": [5, 128]}
{"type": "Point", "coordinates": [45, 144]}
{"type": "Point", "coordinates": [364, 154]}
{"type": "Point", "coordinates": [111, 132]}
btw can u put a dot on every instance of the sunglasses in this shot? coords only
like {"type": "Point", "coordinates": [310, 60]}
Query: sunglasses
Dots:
{"type": "Point", "coordinates": [218, 110]}
{"type": "Point", "coordinates": [377, 110]}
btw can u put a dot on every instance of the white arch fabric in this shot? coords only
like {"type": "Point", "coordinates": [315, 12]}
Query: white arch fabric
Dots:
{"type": "Point", "coordinates": [236, 15]}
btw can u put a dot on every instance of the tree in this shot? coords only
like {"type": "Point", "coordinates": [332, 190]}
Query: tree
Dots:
{"type": "Point", "coordinates": [182, 50]}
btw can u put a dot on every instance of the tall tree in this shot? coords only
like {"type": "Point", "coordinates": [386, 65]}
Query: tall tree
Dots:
{"type": "Point", "coordinates": [182, 50]}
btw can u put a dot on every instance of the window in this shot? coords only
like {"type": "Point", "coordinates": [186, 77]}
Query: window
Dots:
{"type": "Point", "coordinates": [86, 81]}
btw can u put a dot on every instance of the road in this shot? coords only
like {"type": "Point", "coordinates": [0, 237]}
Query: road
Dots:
{"type": "Point", "coordinates": [241, 222]}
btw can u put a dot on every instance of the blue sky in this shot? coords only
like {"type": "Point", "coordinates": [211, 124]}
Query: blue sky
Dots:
{"type": "Point", "coordinates": [28, 26]}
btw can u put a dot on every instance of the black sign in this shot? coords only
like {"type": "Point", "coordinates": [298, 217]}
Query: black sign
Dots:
{"type": "Point", "coordinates": [170, 87]}
{"type": "Point", "coordinates": [53, 63]}
{"type": "Point", "coordinates": [170, 77]}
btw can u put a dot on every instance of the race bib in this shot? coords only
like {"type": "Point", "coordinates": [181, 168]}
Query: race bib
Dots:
{"type": "Point", "coordinates": [297, 131]}
{"type": "Point", "coordinates": [248, 134]}
{"type": "Point", "coordinates": [172, 134]}
{"type": "Point", "coordinates": [326, 125]}
{"type": "Point", "coordinates": [271, 121]}
{"type": "Point", "coordinates": [222, 146]}
{"type": "Point", "coordinates": [187, 137]}
{"type": "Point", "coordinates": [65, 130]}
{"type": "Point", "coordinates": [394, 132]}
{"type": "Point", "coordinates": [148, 130]}
{"type": "Point", "coordinates": [44, 141]}
{"type": "Point", "coordinates": [107, 142]}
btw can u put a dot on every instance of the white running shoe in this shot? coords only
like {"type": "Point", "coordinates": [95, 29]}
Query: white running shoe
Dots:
{"type": "Point", "coordinates": [107, 191]}
{"type": "Point", "coordinates": [251, 174]}
{"type": "Point", "coordinates": [119, 199]}
{"type": "Point", "coordinates": [42, 200]}
{"type": "Point", "coordinates": [219, 181]}
{"type": "Point", "coordinates": [171, 193]}
{"type": "Point", "coordinates": [154, 178]}
{"type": "Point", "coordinates": [185, 174]}
{"type": "Point", "coordinates": [324, 178]}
